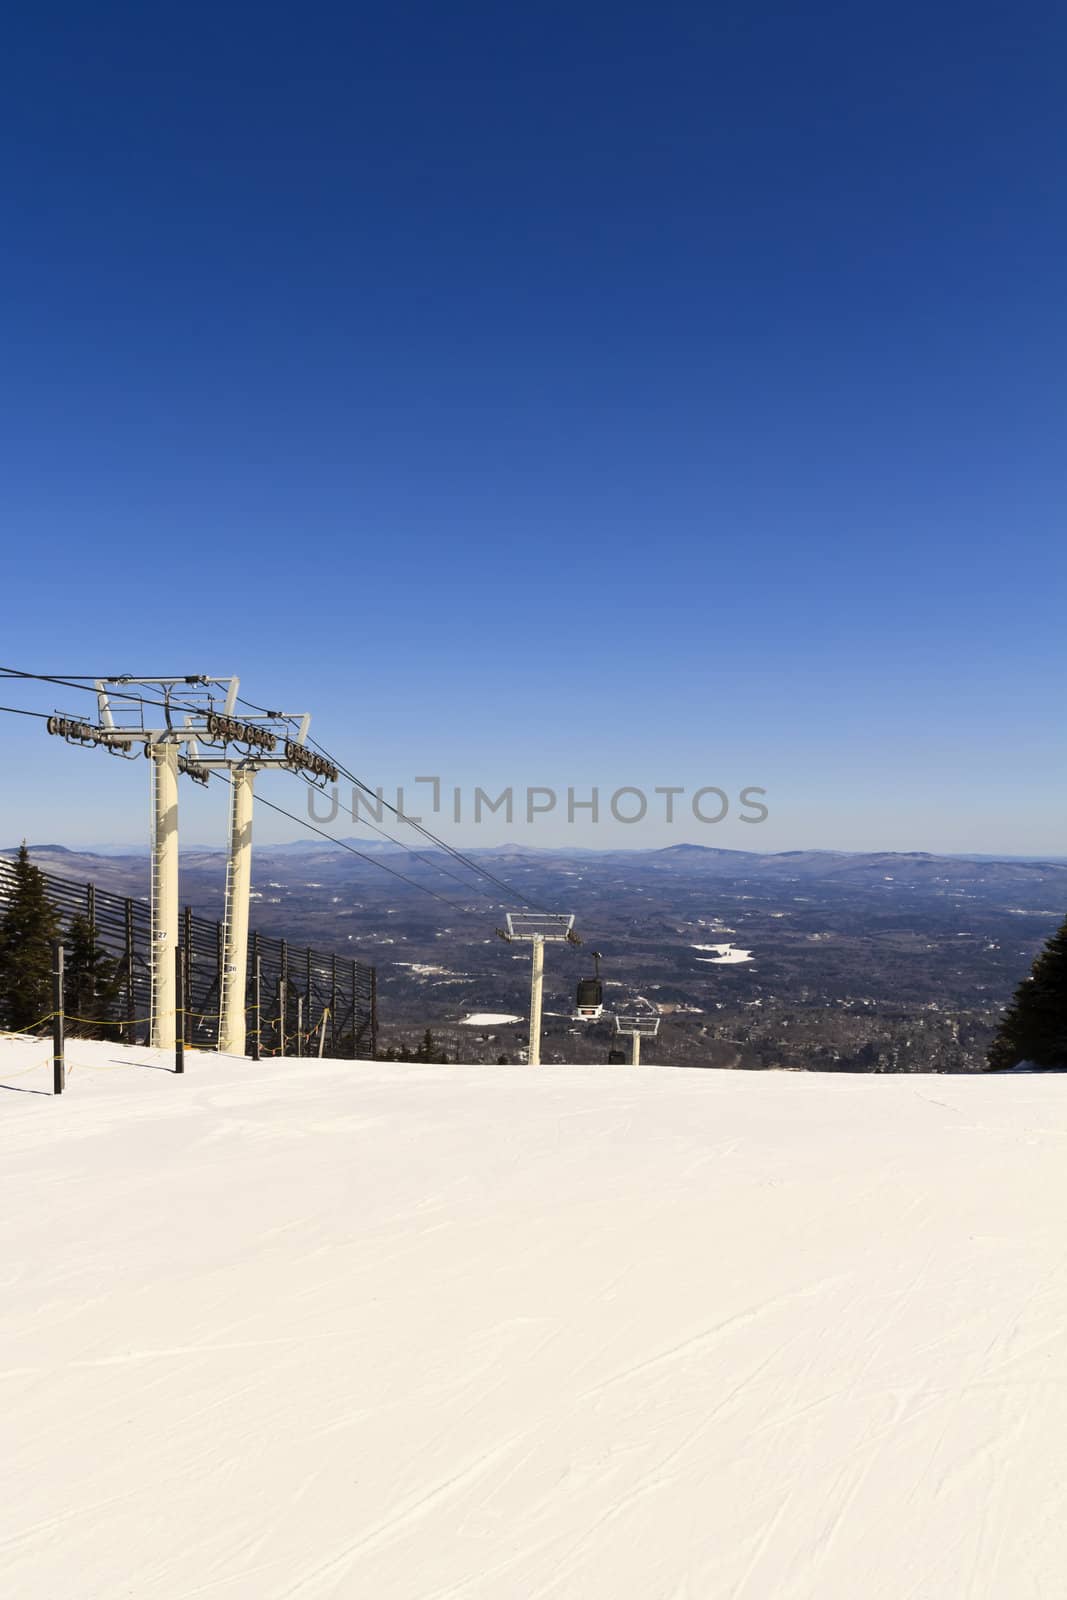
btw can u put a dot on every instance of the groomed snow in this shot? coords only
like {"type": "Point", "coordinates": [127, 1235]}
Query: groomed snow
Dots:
{"type": "Point", "coordinates": [323, 1329]}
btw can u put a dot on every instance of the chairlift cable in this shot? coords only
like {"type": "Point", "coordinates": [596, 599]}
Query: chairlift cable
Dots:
{"type": "Point", "coordinates": [341, 844]}
{"type": "Point", "coordinates": [88, 681]}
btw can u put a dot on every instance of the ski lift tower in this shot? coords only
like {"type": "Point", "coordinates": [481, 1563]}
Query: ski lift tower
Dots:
{"type": "Point", "coordinates": [640, 1024]}
{"type": "Point", "coordinates": [147, 713]}
{"type": "Point", "coordinates": [125, 718]}
{"type": "Point", "coordinates": [258, 737]}
{"type": "Point", "coordinates": [537, 928]}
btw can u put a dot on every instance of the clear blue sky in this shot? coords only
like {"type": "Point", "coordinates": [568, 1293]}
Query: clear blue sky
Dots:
{"type": "Point", "coordinates": [551, 394]}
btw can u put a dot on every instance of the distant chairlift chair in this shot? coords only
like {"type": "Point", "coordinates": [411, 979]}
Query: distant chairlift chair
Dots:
{"type": "Point", "coordinates": [589, 1002]}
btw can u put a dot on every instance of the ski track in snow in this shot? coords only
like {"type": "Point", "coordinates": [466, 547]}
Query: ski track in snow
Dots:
{"type": "Point", "coordinates": [323, 1330]}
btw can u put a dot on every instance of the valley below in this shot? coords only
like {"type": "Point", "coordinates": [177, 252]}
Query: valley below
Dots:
{"type": "Point", "coordinates": [875, 962]}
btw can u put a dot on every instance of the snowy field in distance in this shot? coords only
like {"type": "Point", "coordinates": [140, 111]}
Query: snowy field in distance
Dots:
{"type": "Point", "coordinates": [487, 1019]}
{"type": "Point", "coordinates": [328, 1329]}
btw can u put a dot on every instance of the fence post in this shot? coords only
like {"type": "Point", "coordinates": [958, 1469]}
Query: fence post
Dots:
{"type": "Point", "coordinates": [130, 1006]}
{"type": "Point", "coordinates": [59, 1071]}
{"type": "Point", "coordinates": [90, 909]}
{"type": "Point", "coordinates": [300, 1024]}
{"type": "Point", "coordinates": [179, 1009]}
{"type": "Point", "coordinates": [374, 1013]}
{"type": "Point", "coordinates": [355, 1029]}
{"type": "Point", "coordinates": [219, 958]}
{"type": "Point", "coordinates": [333, 1006]}
{"type": "Point", "coordinates": [257, 995]}
{"type": "Point", "coordinates": [281, 1016]}
{"type": "Point", "coordinates": [307, 984]}
{"type": "Point", "coordinates": [187, 940]}
{"type": "Point", "coordinates": [285, 988]}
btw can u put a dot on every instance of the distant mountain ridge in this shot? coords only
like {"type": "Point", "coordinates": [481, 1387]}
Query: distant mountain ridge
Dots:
{"type": "Point", "coordinates": [535, 872]}
{"type": "Point", "coordinates": [691, 853]}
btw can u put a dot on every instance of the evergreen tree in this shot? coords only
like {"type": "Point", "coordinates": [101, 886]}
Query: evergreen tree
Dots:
{"type": "Point", "coordinates": [1034, 1027]}
{"type": "Point", "coordinates": [27, 928]}
{"type": "Point", "coordinates": [426, 1049]}
{"type": "Point", "coordinates": [90, 980]}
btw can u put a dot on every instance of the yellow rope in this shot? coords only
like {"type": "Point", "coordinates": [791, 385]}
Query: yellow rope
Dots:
{"type": "Point", "coordinates": [18, 1033]}
{"type": "Point", "coordinates": [130, 1022]}
{"type": "Point", "coordinates": [106, 1022]}
{"type": "Point", "coordinates": [21, 1072]}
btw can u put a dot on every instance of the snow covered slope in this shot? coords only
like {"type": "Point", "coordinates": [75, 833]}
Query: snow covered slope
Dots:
{"type": "Point", "coordinates": [309, 1330]}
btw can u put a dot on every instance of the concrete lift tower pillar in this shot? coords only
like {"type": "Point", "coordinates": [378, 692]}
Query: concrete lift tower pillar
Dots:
{"type": "Point", "coordinates": [257, 735]}
{"type": "Point", "coordinates": [121, 726]}
{"type": "Point", "coordinates": [162, 748]}
{"type": "Point", "coordinates": [536, 928]}
{"type": "Point", "coordinates": [235, 916]}
{"type": "Point", "coordinates": [638, 1024]}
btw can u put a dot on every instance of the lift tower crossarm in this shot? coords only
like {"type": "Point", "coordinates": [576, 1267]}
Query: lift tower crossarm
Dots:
{"type": "Point", "coordinates": [640, 1022]}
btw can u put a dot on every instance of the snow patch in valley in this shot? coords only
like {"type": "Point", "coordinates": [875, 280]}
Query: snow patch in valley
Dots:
{"type": "Point", "coordinates": [724, 954]}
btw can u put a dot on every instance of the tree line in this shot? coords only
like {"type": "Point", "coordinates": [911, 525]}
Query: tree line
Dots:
{"type": "Point", "coordinates": [29, 926]}
{"type": "Point", "coordinates": [1034, 1027]}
